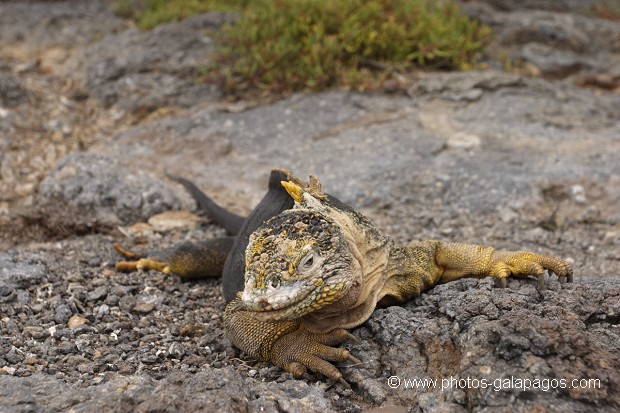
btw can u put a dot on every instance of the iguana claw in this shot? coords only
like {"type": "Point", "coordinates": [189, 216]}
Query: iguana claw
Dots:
{"type": "Point", "coordinates": [302, 350]}
{"type": "Point", "coordinates": [354, 359]}
{"type": "Point", "coordinates": [350, 337]}
{"type": "Point", "coordinates": [125, 252]}
{"type": "Point", "coordinates": [344, 383]}
{"type": "Point", "coordinates": [522, 263]}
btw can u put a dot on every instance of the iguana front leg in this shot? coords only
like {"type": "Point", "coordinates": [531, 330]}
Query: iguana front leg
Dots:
{"type": "Point", "coordinates": [419, 267]}
{"type": "Point", "coordinates": [187, 260]}
{"type": "Point", "coordinates": [461, 260]}
{"type": "Point", "coordinates": [287, 344]}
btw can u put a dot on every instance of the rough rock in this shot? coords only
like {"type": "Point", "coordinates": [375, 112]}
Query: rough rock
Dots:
{"type": "Point", "coordinates": [22, 270]}
{"type": "Point", "coordinates": [11, 91]}
{"type": "Point", "coordinates": [484, 156]}
{"type": "Point", "coordinates": [482, 344]}
{"type": "Point", "coordinates": [143, 71]}
{"type": "Point", "coordinates": [86, 191]}
{"type": "Point", "coordinates": [555, 5]}
{"type": "Point", "coordinates": [555, 44]}
{"type": "Point", "coordinates": [552, 62]}
{"type": "Point", "coordinates": [140, 393]}
{"type": "Point", "coordinates": [59, 23]}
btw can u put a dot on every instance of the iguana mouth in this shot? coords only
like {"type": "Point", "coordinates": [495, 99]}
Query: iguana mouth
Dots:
{"type": "Point", "coordinates": [282, 314]}
{"type": "Point", "coordinates": [282, 306]}
{"type": "Point", "coordinates": [293, 301]}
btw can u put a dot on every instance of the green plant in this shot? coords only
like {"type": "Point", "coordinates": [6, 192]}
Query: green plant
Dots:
{"type": "Point", "coordinates": [284, 45]}
{"type": "Point", "coordinates": [287, 45]}
{"type": "Point", "coordinates": [151, 13]}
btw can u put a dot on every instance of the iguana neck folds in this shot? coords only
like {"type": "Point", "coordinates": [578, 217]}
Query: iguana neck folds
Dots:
{"type": "Point", "coordinates": [370, 250]}
{"type": "Point", "coordinates": [357, 305]}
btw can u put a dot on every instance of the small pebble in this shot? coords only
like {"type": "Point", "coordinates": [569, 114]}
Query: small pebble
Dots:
{"type": "Point", "coordinates": [144, 307]}
{"type": "Point", "coordinates": [98, 294]}
{"type": "Point", "coordinates": [36, 332]}
{"type": "Point", "coordinates": [62, 314]}
{"type": "Point", "coordinates": [76, 321]}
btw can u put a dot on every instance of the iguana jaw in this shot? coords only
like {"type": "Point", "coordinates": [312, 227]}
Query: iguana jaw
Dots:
{"type": "Point", "coordinates": [293, 301]}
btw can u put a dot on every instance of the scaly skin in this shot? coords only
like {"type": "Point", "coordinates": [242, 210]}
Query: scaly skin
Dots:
{"type": "Point", "coordinates": [317, 270]}
{"type": "Point", "coordinates": [314, 271]}
{"type": "Point", "coordinates": [200, 260]}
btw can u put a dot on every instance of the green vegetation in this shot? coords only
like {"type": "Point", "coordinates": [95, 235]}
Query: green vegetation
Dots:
{"type": "Point", "coordinates": [151, 13]}
{"type": "Point", "coordinates": [286, 45]}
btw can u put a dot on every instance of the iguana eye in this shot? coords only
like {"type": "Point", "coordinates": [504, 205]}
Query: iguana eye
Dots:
{"type": "Point", "coordinates": [309, 261]}
{"type": "Point", "coordinates": [275, 282]}
{"type": "Point", "coordinates": [306, 262]}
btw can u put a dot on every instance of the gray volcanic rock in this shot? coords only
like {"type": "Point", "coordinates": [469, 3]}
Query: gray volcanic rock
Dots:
{"type": "Point", "coordinates": [86, 191]}
{"type": "Point", "coordinates": [49, 24]}
{"type": "Point", "coordinates": [555, 44]}
{"type": "Point", "coordinates": [515, 348]}
{"type": "Point", "coordinates": [95, 112]}
{"type": "Point", "coordinates": [462, 344]}
{"type": "Point", "coordinates": [577, 6]}
{"type": "Point", "coordinates": [145, 70]}
{"type": "Point", "coordinates": [11, 91]}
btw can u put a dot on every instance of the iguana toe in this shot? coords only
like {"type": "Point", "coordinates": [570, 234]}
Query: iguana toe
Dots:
{"type": "Point", "coordinates": [296, 369]}
{"type": "Point", "coordinates": [521, 263]}
{"type": "Point", "coordinates": [354, 359]}
{"type": "Point", "coordinates": [144, 264]}
{"type": "Point", "coordinates": [350, 337]}
{"type": "Point", "coordinates": [302, 350]}
{"type": "Point", "coordinates": [344, 383]}
{"type": "Point", "coordinates": [131, 255]}
{"type": "Point", "coordinates": [139, 261]}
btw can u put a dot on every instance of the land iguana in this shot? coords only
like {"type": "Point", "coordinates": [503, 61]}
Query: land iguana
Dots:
{"type": "Point", "coordinates": [304, 268]}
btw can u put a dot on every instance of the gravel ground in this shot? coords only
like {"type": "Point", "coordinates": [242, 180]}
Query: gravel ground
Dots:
{"type": "Point", "coordinates": [93, 113]}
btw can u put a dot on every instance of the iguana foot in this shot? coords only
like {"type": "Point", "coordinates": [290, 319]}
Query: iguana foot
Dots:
{"type": "Point", "coordinates": [139, 263]}
{"type": "Point", "coordinates": [302, 350]}
{"type": "Point", "coordinates": [522, 263]}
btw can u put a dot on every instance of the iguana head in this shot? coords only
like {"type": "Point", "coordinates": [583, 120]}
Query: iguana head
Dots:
{"type": "Point", "coordinates": [298, 261]}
